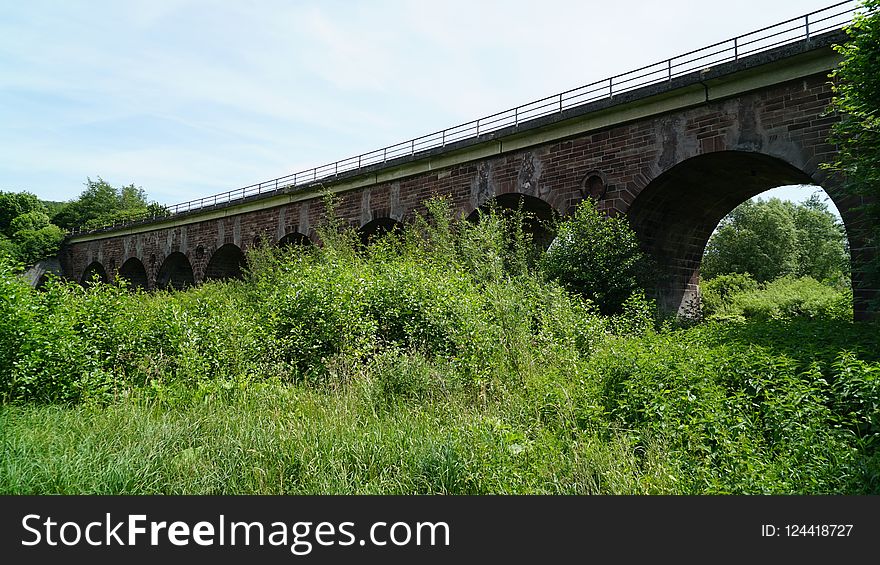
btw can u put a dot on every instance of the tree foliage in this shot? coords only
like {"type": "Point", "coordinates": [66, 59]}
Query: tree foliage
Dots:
{"type": "Point", "coordinates": [101, 203]}
{"type": "Point", "coordinates": [13, 205]}
{"type": "Point", "coordinates": [35, 244]}
{"type": "Point", "coordinates": [856, 83]}
{"type": "Point", "coordinates": [31, 229]}
{"type": "Point", "coordinates": [33, 220]}
{"type": "Point", "coordinates": [773, 238]}
{"type": "Point", "coordinates": [26, 235]}
{"type": "Point", "coordinates": [599, 257]}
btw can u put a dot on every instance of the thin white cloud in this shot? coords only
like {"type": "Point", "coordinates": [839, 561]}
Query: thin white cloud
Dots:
{"type": "Point", "coordinates": [188, 97]}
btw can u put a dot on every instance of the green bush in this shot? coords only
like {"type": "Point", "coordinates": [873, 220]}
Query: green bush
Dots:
{"type": "Point", "coordinates": [598, 257]}
{"type": "Point", "coordinates": [431, 361]}
{"type": "Point", "coordinates": [742, 418]}
{"type": "Point", "coordinates": [715, 293]}
{"type": "Point", "coordinates": [33, 245]}
{"type": "Point", "coordinates": [785, 298]}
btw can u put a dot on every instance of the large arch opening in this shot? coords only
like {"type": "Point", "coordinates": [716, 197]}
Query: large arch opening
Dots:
{"type": "Point", "coordinates": [537, 219]}
{"type": "Point", "coordinates": [677, 212]}
{"type": "Point", "coordinates": [378, 227]}
{"type": "Point", "coordinates": [227, 262]}
{"type": "Point", "coordinates": [134, 273]}
{"type": "Point", "coordinates": [95, 271]}
{"type": "Point", "coordinates": [176, 272]}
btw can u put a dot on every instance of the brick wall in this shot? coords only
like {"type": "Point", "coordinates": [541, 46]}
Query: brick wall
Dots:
{"type": "Point", "coordinates": [675, 175]}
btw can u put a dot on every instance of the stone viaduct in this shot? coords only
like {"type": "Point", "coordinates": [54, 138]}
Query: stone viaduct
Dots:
{"type": "Point", "coordinates": [675, 156]}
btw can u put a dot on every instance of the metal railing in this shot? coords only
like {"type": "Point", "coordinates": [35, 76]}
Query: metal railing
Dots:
{"type": "Point", "coordinates": [794, 30]}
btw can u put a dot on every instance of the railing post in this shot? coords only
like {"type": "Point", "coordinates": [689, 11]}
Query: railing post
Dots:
{"type": "Point", "coordinates": [412, 150]}
{"type": "Point", "coordinates": [359, 161]}
{"type": "Point", "coordinates": [669, 69]}
{"type": "Point", "coordinates": [735, 49]}
{"type": "Point", "coordinates": [560, 101]}
{"type": "Point", "coordinates": [807, 26]}
{"type": "Point", "coordinates": [516, 116]}
{"type": "Point", "coordinates": [385, 155]}
{"type": "Point", "coordinates": [610, 88]}
{"type": "Point", "coordinates": [478, 127]}
{"type": "Point", "coordinates": [443, 138]}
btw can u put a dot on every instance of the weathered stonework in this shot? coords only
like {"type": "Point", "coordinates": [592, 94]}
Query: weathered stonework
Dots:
{"type": "Point", "coordinates": [675, 174]}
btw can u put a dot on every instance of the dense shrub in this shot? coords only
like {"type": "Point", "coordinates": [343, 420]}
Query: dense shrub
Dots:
{"type": "Point", "coordinates": [737, 297]}
{"type": "Point", "coordinates": [717, 292]}
{"type": "Point", "coordinates": [599, 257]}
{"type": "Point", "coordinates": [744, 418]}
{"type": "Point", "coordinates": [432, 361]}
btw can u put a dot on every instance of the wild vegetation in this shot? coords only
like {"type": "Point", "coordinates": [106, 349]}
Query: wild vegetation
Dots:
{"type": "Point", "coordinates": [769, 239]}
{"type": "Point", "coordinates": [438, 360]}
{"type": "Point", "coordinates": [856, 83]}
{"type": "Point", "coordinates": [454, 358]}
{"type": "Point", "coordinates": [32, 229]}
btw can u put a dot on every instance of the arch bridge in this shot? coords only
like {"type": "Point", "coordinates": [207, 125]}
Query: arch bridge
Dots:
{"type": "Point", "coordinates": [675, 155]}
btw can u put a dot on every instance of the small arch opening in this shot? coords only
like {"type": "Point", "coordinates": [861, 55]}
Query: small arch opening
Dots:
{"type": "Point", "coordinates": [175, 273]}
{"type": "Point", "coordinates": [294, 239]}
{"type": "Point", "coordinates": [537, 219]}
{"type": "Point", "coordinates": [375, 229]}
{"type": "Point", "coordinates": [133, 272]}
{"type": "Point", "coordinates": [228, 262]}
{"type": "Point", "coordinates": [94, 272]}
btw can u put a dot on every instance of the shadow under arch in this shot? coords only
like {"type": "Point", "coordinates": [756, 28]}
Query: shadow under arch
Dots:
{"type": "Point", "coordinates": [228, 262]}
{"type": "Point", "coordinates": [134, 272]}
{"type": "Point", "coordinates": [538, 215]}
{"type": "Point", "coordinates": [675, 214]}
{"type": "Point", "coordinates": [176, 272]}
{"type": "Point", "coordinates": [294, 238]}
{"type": "Point", "coordinates": [42, 281]}
{"type": "Point", "coordinates": [376, 228]}
{"type": "Point", "coordinates": [88, 276]}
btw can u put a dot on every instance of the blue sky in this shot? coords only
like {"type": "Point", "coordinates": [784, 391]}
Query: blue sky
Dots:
{"type": "Point", "coordinates": [187, 98]}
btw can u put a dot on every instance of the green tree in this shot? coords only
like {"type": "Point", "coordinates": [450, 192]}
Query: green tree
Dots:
{"type": "Point", "coordinates": [856, 84]}
{"type": "Point", "coordinates": [35, 244]}
{"type": "Point", "coordinates": [102, 203]}
{"type": "Point", "coordinates": [26, 235]}
{"type": "Point", "coordinates": [773, 238]}
{"type": "Point", "coordinates": [823, 249]}
{"type": "Point", "coordinates": [757, 237]}
{"type": "Point", "coordinates": [13, 205]}
{"type": "Point", "coordinates": [599, 257]}
{"type": "Point", "coordinates": [33, 220]}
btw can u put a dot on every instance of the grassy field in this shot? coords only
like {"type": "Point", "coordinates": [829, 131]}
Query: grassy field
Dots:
{"type": "Point", "coordinates": [441, 361]}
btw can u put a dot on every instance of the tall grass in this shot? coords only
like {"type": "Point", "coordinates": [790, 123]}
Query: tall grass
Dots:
{"type": "Point", "coordinates": [439, 360]}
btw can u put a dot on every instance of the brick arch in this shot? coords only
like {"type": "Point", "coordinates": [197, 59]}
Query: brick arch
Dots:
{"type": "Point", "coordinates": [227, 262]}
{"type": "Point", "coordinates": [377, 227]}
{"type": "Point", "coordinates": [94, 268]}
{"type": "Point", "coordinates": [294, 238]}
{"type": "Point", "coordinates": [133, 271]}
{"type": "Point", "coordinates": [539, 215]}
{"type": "Point", "coordinates": [676, 212]}
{"type": "Point", "coordinates": [175, 272]}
